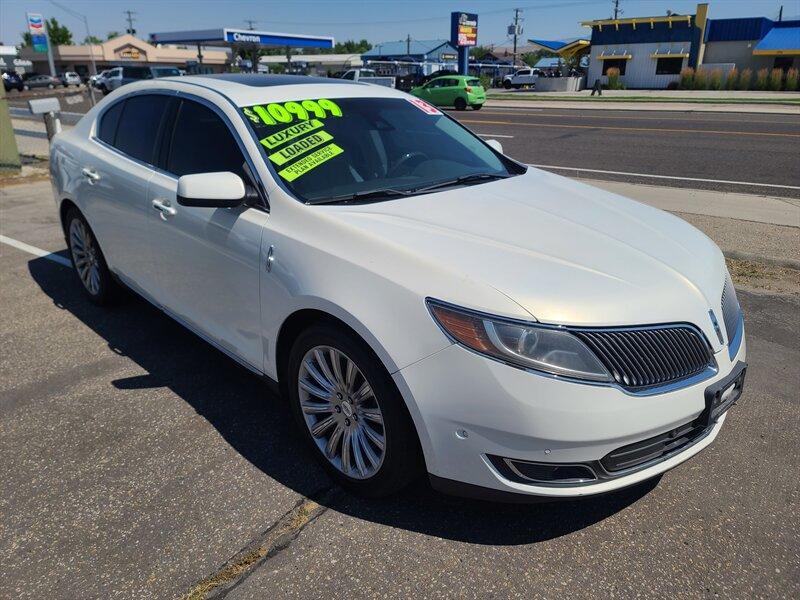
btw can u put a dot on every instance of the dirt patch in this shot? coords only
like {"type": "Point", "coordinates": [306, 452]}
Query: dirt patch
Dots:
{"type": "Point", "coordinates": [759, 277]}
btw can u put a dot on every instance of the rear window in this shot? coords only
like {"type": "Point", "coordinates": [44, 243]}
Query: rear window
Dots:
{"type": "Point", "coordinates": [138, 126]}
{"type": "Point", "coordinates": [474, 82]}
{"type": "Point", "coordinates": [109, 122]}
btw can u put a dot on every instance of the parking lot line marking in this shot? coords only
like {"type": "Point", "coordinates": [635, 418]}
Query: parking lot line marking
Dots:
{"type": "Point", "coordinates": [652, 176]}
{"type": "Point", "coordinates": [494, 135]}
{"type": "Point", "coordinates": [653, 129]}
{"type": "Point", "coordinates": [35, 251]}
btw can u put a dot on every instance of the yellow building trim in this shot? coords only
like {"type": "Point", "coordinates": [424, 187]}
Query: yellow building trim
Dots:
{"type": "Point", "coordinates": [613, 56]}
{"type": "Point", "coordinates": [791, 52]}
{"type": "Point", "coordinates": [670, 55]}
{"type": "Point", "coordinates": [640, 20]}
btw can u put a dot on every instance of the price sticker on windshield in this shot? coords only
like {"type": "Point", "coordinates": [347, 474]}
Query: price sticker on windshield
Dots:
{"type": "Point", "coordinates": [428, 109]}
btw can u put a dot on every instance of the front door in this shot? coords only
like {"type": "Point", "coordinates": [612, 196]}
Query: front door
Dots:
{"type": "Point", "coordinates": [208, 259]}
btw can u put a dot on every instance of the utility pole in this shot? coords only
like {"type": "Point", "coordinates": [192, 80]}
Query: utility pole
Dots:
{"type": "Point", "coordinates": [250, 23]}
{"type": "Point", "coordinates": [129, 18]}
{"type": "Point", "coordinates": [780, 13]}
{"type": "Point", "coordinates": [617, 11]}
{"type": "Point", "coordinates": [517, 32]}
{"type": "Point", "coordinates": [408, 44]}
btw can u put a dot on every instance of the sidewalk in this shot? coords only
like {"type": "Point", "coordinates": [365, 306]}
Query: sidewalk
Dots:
{"type": "Point", "coordinates": [32, 137]}
{"type": "Point", "coordinates": [661, 100]}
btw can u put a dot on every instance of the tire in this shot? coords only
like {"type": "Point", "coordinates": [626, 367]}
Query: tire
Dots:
{"type": "Point", "coordinates": [460, 104]}
{"type": "Point", "coordinates": [517, 86]}
{"type": "Point", "coordinates": [96, 280]}
{"type": "Point", "coordinates": [507, 84]}
{"type": "Point", "coordinates": [477, 106]}
{"type": "Point", "coordinates": [379, 417]}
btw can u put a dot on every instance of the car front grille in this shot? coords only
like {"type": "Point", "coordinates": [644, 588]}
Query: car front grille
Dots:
{"type": "Point", "coordinates": [731, 316]}
{"type": "Point", "coordinates": [649, 357]}
{"type": "Point", "coordinates": [657, 447]}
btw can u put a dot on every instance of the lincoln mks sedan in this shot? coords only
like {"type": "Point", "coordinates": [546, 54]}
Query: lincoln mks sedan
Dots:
{"type": "Point", "coordinates": [423, 302]}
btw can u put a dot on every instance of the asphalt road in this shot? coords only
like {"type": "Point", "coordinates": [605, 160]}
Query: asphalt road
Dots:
{"type": "Point", "coordinates": [749, 148]}
{"type": "Point", "coordinates": [137, 461]}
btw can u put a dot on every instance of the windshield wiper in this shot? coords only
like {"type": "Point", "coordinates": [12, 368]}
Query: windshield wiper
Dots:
{"type": "Point", "coordinates": [472, 177]}
{"type": "Point", "coordinates": [365, 195]}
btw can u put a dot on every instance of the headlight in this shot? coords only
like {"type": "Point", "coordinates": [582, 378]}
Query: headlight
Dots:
{"type": "Point", "coordinates": [526, 345]}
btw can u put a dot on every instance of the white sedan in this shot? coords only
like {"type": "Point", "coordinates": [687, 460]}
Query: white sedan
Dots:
{"type": "Point", "coordinates": [423, 302]}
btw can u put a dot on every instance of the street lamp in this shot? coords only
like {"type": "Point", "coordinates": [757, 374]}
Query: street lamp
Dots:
{"type": "Point", "coordinates": [88, 37]}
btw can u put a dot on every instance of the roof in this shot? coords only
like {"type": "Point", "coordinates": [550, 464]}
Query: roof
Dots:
{"type": "Point", "coordinates": [731, 30]}
{"type": "Point", "coordinates": [248, 89]}
{"type": "Point", "coordinates": [404, 48]}
{"type": "Point", "coordinates": [780, 41]}
{"type": "Point", "coordinates": [548, 63]}
{"type": "Point", "coordinates": [600, 23]}
{"type": "Point", "coordinates": [564, 48]}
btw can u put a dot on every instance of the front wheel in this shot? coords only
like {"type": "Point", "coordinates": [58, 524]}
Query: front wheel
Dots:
{"type": "Point", "coordinates": [88, 260]}
{"type": "Point", "coordinates": [507, 84]}
{"type": "Point", "coordinates": [460, 104]}
{"type": "Point", "coordinates": [351, 413]}
{"type": "Point", "coordinates": [476, 106]}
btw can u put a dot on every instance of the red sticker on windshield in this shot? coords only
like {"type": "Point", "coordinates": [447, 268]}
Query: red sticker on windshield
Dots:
{"type": "Point", "coordinates": [428, 109]}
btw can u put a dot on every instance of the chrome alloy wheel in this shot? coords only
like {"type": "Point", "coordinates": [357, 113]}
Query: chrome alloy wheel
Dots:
{"type": "Point", "coordinates": [341, 412]}
{"type": "Point", "coordinates": [85, 255]}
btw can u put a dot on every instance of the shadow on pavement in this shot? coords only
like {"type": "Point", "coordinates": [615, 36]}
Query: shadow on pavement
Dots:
{"type": "Point", "coordinates": [255, 423]}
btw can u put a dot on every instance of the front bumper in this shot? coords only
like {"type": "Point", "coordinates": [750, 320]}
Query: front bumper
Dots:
{"type": "Point", "coordinates": [469, 410]}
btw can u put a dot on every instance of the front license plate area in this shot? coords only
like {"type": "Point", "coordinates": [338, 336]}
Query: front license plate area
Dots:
{"type": "Point", "coordinates": [724, 394]}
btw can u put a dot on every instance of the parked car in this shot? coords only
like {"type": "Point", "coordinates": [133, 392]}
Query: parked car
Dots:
{"type": "Point", "coordinates": [42, 81]}
{"type": "Point", "coordinates": [119, 76]}
{"type": "Point", "coordinates": [368, 76]}
{"type": "Point", "coordinates": [165, 71]}
{"type": "Point", "coordinates": [423, 302]}
{"type": "Point", "coordinates": [459, 91]}
{"type": "Point", "coordinates": [426, 78]}
{"type": "Point", "coordinates": [523, 77]}
{"type": "Point", "coordinates": [12, 81]}
{"type": "Point", "coordinates": [69, 78]}
{"type": "Point", "coordinates": [95, 79]}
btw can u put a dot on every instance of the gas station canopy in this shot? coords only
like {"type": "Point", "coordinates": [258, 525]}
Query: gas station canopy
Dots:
{"type": "Point", "coordinates": [563, 48]}
{"type": "Point", "coordinates": [226, 36]}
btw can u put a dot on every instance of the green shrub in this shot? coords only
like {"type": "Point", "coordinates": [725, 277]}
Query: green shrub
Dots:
{"type": "Point", "coordinates": [732, 80]}
{"type": "Point", "coordinates": [486, 81]}
{"type": "Point", "coordinates": [700, 80]}
{"type": "Point", "coordinates": [613, 79]}
{"type": "Point", "coordinates": [775, 79]}
{"type": "Point", "coordinates": [687, 78]}
{"type": "Point", "coordinates": [762, 80]}
{"type": "Point", "coordinates": [715, 80]}
{"type": "Point", "coordinates": [791, 80]}
{"type": "Point", "coordinates": [745, 79]}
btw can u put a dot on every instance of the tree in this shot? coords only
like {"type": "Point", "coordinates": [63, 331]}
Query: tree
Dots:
{"type": "Point", "coordinates": [60, 35]}
{"type": "Point", "coordinates": [113, 34]}
{"type": "Point", "coordinates": [479, 52]}
{"type": "Point", "coordinates": [92, 39]}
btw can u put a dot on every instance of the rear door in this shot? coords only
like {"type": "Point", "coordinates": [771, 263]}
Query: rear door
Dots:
{"type": "Point", "coordinates": [208, 259]}
{"type": "Point", "coordinates": [115, 174]}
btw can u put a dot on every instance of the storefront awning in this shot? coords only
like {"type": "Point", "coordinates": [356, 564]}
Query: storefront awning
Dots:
{"type": "Point", "coordinates": [669, 55]}
{"type": "Point", "coordinates": [780, 41]}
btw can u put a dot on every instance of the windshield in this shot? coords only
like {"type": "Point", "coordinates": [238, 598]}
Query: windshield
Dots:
{"type": "Point", "coordinates": [324, 149]}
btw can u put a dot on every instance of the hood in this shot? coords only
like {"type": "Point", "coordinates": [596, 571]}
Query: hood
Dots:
{"type": "Point", "coordinates": [566, 252]}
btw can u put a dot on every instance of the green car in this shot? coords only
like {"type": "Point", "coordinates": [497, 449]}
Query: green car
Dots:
{"type": "Point", "coordinates": [459, 91]}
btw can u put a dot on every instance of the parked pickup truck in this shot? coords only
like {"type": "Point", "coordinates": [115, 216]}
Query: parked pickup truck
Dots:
{"type": "Point", "coordinates": [521, 78]}
{"type": "Point", "coordinates": [368, 76]}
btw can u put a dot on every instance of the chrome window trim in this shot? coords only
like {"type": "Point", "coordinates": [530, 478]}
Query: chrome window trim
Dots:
{"type": "Point", "coordinates": [708, 373]}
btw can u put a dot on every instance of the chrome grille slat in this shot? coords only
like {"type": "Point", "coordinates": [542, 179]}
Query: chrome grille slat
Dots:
{"type": "Point", "coordinates": [730, 309]}
{"type": "Point", "coordinates": [645, 357]}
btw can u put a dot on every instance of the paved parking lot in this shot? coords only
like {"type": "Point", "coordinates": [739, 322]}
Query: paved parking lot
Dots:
{"type": "Point", "coordinates": [138, 462]}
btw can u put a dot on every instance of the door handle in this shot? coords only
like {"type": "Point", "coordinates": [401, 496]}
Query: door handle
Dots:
{"type": "Point", "coordinates": [91, 175]}
{"type": "Point", "coordinates": [164, 207]}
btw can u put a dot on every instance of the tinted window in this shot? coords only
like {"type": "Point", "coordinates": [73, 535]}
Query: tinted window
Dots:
{"type": "Point", "coordinates": [475, 82]}
{"type": "Point", "coordinates": [136, 72]}
{"type": "Point", "coordinates": [202, 143]}
{"type": "Point", "coordinates": [669, 66]}
{"type": "Point", "coordinates": [108, 124]}
{"type": "Point", "coordinates": [138, 126]}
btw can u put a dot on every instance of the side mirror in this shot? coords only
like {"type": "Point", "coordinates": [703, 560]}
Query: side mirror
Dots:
{"type": "Point", "coordinates": [211, 190]}
{"type": "Point", "coordinates": [495, 145]}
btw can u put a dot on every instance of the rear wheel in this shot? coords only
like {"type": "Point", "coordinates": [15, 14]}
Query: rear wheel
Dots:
{"type": "Point", "coordinates": [351, 413]}
{"type": "Point", "coordinates": [460, 104]}
{"type": "Point", "coordinates": [88, 260]}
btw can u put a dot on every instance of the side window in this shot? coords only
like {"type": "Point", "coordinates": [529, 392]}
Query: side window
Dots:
{"type": "Point", "coordinates": [108, 124]}
{"type": "Point", "coordinates": [138, 126]}
{"type": "Point", "coordinates": [202, 143]}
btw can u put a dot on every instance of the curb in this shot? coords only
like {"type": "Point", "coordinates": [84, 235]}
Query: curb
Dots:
{"type": "Point", "coordinates": [767, 260]}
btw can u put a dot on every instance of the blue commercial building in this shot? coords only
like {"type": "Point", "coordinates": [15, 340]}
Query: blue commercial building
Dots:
{"type": "Point", "coordinates": [425, 55]}
{"type": "Point", "coordinates": [651, 51]}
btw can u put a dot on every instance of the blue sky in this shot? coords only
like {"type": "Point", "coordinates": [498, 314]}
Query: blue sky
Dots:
{"type": "Point", "coordinates": [375, 20]}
